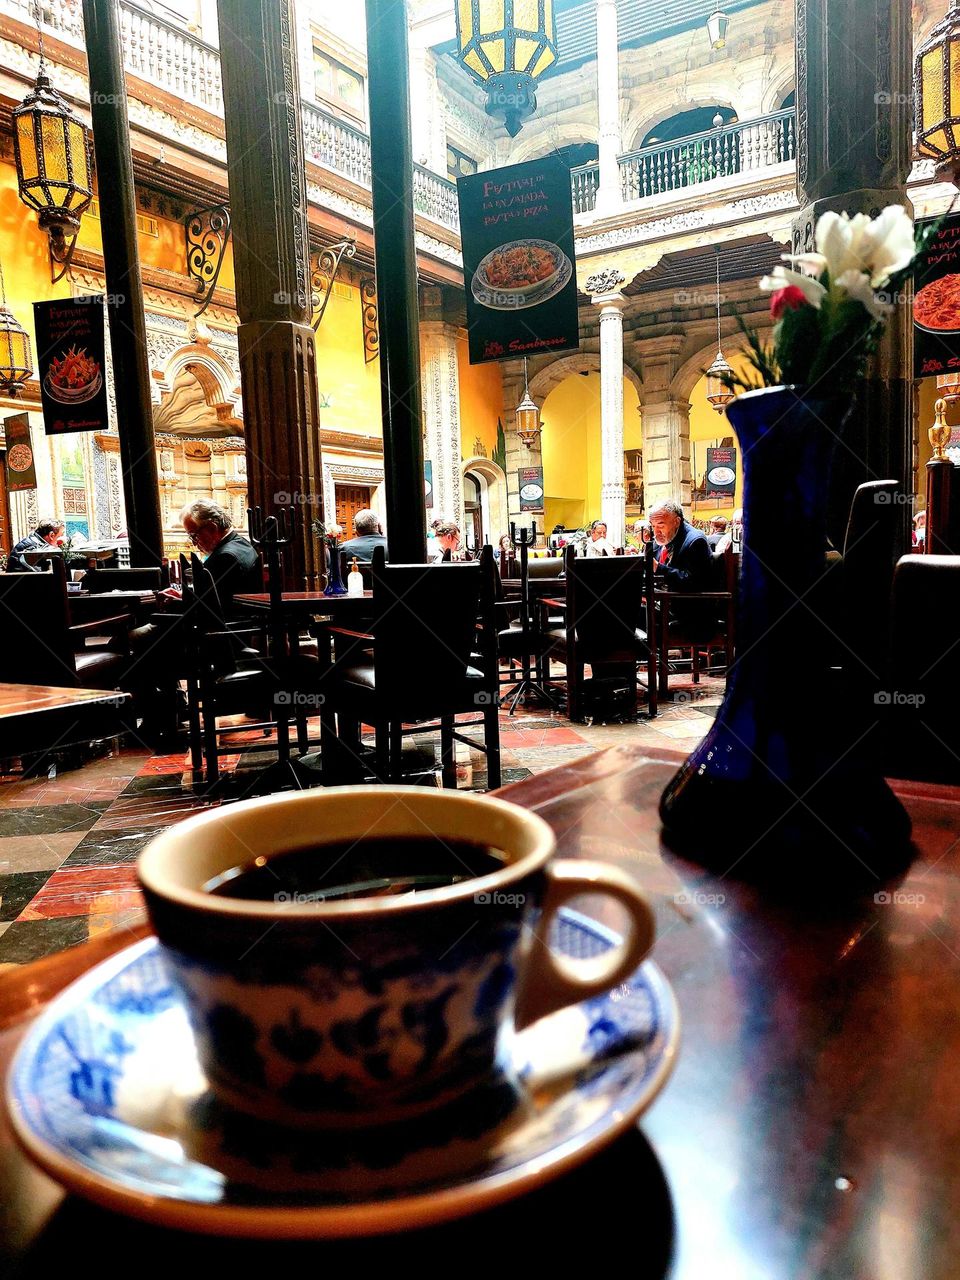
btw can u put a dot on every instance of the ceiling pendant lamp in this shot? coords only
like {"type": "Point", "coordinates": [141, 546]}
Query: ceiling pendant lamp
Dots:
{"type": "Point", "coordinates": [719, 394]}
{"type": "Point", "coordinates": [506, 45]}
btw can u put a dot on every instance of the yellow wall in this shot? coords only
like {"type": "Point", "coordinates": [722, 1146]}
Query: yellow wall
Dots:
{"type": "Point", "coordinates": [25, 259]}
{"type": "Point", "coordinates": [353, 387]}
{"type": "Point", "coordinates": [481, 402]}
{"type": "Point", "coordinates": [707, 427]}
{"type": "Point", "coordinates": [571, 448]}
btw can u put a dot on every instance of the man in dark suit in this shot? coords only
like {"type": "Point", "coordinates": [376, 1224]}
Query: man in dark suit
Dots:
{"type": "Point", "coordinates": [683, 562]}
{"type": "Point", "coordinates": [368, 537]}
{"type": "Point", "coordinates": [232, 561]}
{"type": "Point", "coordinates": [48, 533]}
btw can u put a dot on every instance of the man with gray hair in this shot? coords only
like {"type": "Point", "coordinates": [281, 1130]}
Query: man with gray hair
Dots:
{"type": "Point", "coordinates": [369, 536]}
{"type": "Point", "coordinates": [233, 563]}
{"type": "Point", "coordinates": [682, 561]}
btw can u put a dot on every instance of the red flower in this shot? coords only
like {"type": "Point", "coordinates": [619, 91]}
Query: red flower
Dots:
{"type": "Point", "coordinates": [789, 299]}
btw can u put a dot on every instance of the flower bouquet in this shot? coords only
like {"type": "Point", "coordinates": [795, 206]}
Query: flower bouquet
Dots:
{"type": "Point", "coordinates": [330, 535]}
{"type": "Point", "coordinates": [800, 789]}
{"type": "Point", "coordinates": [830, 307]}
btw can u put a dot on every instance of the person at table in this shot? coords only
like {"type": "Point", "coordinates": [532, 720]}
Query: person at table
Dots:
{"type": "Point", "coordinates": [368, 535]}
{"type": "Point", "coordinates": [597, 544]}
{"type": "Point", "coordinates": [718, 527]}
{"type": "Point", "coordinates": [683, 564]}
{"type": "Point", "coordinates": [48, 533]}
{"type": "Point", "coordinates": [232, 561]}
{"type": "Point", "coordinates": [448, 543]}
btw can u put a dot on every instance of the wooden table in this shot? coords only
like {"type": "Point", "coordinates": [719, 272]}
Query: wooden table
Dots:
{"type": "Point", "coordinates": [35, 717]}
{"type": "Point", "coordinates": [91, 606]}
{"type": "Point", "coordinates": [811, 1130]}
{"type": "Point", "coordinates": [305, 604]}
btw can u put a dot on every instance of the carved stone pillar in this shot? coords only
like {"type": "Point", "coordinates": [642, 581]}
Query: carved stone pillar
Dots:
{"type": "Point", "coordinates": [854, 146]}
{"type": "Point", "coordinates": [269, 202]}
{"type": "Point", "coordinates": [426, 111]}
{"type": "Point", "coordinates": [665, 423]}
{"type": "Point", "coordinates": [441, 405]}
{"type": "Point", "coordinates": [609, 196]}
{"type": "Point", "coordinates": [604, 287]}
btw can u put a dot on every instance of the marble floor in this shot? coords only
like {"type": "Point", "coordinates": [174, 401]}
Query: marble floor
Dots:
{"type": "Point", "coordinates": [69, 844]}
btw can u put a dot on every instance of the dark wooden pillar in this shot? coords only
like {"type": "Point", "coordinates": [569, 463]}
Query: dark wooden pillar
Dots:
{"type": "Point", "coordinates": [854, 147]}
{"type": "Point", "coordinates": [393, 223]}
{"type": "Point", "coordinates": [268, 201]}
{"type": "Point", "coordinates": [121, 269]}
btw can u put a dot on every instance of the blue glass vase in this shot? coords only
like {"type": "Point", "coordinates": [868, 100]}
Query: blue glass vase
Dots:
{"type": "Point", "coordinates": [335, 585]}
{"type": "Point", "coordinates": [786, 780]}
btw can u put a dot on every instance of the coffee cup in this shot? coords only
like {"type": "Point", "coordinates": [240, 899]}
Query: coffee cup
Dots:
{"type": "Point", "coordinates": [365, 1010]}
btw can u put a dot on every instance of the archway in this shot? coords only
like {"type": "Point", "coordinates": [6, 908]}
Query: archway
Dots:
{"type": "Point", "coordinates": [491, 482]}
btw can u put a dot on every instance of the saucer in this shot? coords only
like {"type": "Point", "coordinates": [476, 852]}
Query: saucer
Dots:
{"type": "Point", "coordinates": [106, 1095]}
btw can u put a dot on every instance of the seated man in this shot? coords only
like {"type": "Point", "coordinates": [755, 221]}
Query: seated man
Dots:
{"type": "Point", "coordinates": [718, 527]}
{"type": "Point", "coordinates": [233, 561]}
{"type": "Point", "coordinates": [683, 562]}
{"type": "Point", "coordinates": [48, 533]}
{"type": "Point", "coordinates": [369, 536]}
{"type": "Point", "coordinates": [597, 544]}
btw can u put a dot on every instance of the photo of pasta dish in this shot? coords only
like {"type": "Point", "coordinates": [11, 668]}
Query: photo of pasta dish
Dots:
{"type": "Point", "coordinates": [937, 305]}
{"type": "Point", "coordinates": [522, 273]}
{"type": "Point", "coordinates": [73, 376]}
{"type": "Point", "coordinates": [520, 265]}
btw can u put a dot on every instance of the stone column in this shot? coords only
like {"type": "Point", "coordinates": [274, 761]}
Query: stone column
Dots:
{"type": "Point", "coordinates": [609, 197]}
{"type": "Point", "coordinates": [441, 406]}
{"type": "Point", "coordinates": [854, 146]}
{"type": "Point", "coordinates": [604, 288]}
{"type": "Point", "coordinates": [268, 196]}
{"type": "Point", "coordinates": [665, 421]}
{"type": "Point", "coordinates": [426, 111]}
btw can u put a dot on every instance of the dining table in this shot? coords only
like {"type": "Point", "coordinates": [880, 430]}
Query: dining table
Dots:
{"type": "Point", "coordinates": [36, 717]}
{"type": "Point", "coordinates": [811, 1127]}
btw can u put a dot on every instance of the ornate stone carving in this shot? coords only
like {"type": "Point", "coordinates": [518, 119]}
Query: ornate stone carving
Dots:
{"type": "Point", "coordinates": [695, 219]}
{"type": "Point", "coordinates": [607, 280]}
{"type": "Point", "coordinates": [803, 117]}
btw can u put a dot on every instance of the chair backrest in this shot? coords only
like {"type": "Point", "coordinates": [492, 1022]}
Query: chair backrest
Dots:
{"type": "Point", "coordinates": [98, 580]}
{"type": "Point", "coordinates": [942, 535]}
{"type": "Point", "coordinates": [921, 705]}
{"type": "Point", "coordinates": [545, 568]}
{"type": "Point", "coordinates": [425, 620]}
{"type": "Point", "coordinates": [206, 609]}
{"type": "Point", "coordinates": [870, 551]}
{"type": "Point", "coordinates": [35, 619]}
{"type": "Point", "coordinates": [605, 604]}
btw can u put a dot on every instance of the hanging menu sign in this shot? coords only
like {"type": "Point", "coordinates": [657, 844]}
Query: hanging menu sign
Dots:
{"type": "Point", "coordinates": [71, 364]}
{"type": "Point", "coordinates": [530, 481]}
{"type": "Point", "coordinates": [721, 478]}
{"type": "Point", "coordinates": [516, 234]}
{"type": "Point", "coordinates": [936, 303]}
{"type": "Point", "coordinates": [21, 467]}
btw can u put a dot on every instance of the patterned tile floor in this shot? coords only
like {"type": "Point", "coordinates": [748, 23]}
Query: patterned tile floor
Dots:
{"type": "Point", "coordinates": [68, 846]}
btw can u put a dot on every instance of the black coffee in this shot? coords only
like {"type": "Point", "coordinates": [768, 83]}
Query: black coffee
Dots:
{"type": "Point", "coordinates": [366, 868]}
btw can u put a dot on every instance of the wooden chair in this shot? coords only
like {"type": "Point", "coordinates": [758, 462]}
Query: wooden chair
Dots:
{"type": "Point", "coordinates": [415, 664]}
{"type": "Point", "coordinates": [42, 646]}
{"type": "Point", "coordinates": [605, 625]}
{"type": "Point", "coordinates": [698, 622]}
{"type": "Point", "coordinates": [524, 640]}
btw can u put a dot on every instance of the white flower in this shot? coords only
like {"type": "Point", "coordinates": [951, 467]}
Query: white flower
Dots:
{"type": "Point", "coordinates": [888, 245]}
{"type": "Point", "coordinates": [879, 246]}
{"type": "Point", "coordinates": [782, 278]}
{"type": "Point", "coordinates": [857, 285]}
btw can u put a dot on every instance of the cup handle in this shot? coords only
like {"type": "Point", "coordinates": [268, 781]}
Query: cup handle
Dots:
{"type": "Point", "coordinates": [551, 981]}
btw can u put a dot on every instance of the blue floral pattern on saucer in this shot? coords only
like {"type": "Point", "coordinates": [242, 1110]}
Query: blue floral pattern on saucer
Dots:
{"type": "Point", "coordinates": [106, 1094]}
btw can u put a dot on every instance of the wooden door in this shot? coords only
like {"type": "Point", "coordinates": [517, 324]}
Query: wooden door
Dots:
{"type": "Point", "coordinates": [351, 498]}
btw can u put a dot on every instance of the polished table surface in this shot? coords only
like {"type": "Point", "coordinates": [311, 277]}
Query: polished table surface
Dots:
{"type": "Point", "coordinates": [39, 699]}
{"type": "Point", "coordinates": [302, 601]}
{"type": "Point", "coordinates": [811, 1129]}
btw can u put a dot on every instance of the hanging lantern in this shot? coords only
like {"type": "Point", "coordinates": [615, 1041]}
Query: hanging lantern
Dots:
{"type": "Point", "coordinates": [53, 161]}
{"type": "Point", "coordinates": [717, 25]}
{"type": "Point", "coordinates": [528, 415]}
{"type": "Point", "coordinates": [719, 394]}
{"type": "Point", "coordinates": [506, 45]}
{"type": "Point", "coordinates": [936, 87]}
{"type": "Point", "coordinates": [16, 366]}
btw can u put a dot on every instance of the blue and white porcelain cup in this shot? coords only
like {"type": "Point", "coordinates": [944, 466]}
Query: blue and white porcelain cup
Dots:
{"type": "Point", "coordinates": [371, 1010]}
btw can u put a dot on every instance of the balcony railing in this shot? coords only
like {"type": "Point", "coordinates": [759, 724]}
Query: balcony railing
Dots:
{"type": "Point", "coordinates": [177, 60]}
{"type": "Point", "coordinates": [585, 181]}
{"type": "Point", "coordinates": [745, 147]}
